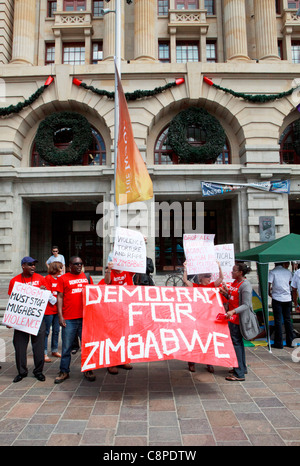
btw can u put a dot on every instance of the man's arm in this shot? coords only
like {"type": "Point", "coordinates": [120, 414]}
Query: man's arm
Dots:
{"type": "Point", "coordinates": [107, 278]}
{"type": "Point", "coordinates": [60, 300]}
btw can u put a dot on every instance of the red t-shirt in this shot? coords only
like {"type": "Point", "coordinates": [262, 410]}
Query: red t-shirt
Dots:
{"type": "Point", "coordinates": [210, 285]}
{"type": "Point", "coordinates": [233, 301]}
{"type": "Point", "coordinates": [121, 278]}
{"type": "Point", "coordinates": [71, 286]}
{"type": "Point", "coordinates": [35, 280]}
{"type": "Point", "coordinates": [51, 284]}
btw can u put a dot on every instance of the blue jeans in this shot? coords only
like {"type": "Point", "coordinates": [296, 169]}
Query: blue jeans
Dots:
{"type": "Point", "coordinates": [73, 327]}
{"type": "Point", "coordinates": [282, 310]}
{"type": "Point", "coordinates": [238, 344]}
{"type": "Point", "coordinates": [52, 321]}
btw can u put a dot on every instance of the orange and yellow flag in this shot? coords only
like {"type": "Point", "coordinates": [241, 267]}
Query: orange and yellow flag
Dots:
{"type": "Point", "coordinates": [132, 183]}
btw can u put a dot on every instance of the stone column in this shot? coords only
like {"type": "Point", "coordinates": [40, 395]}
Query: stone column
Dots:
{"type": "Point", "coordinates": [235, 30]}
{"type": "Point", "coordinates": [109, 32]}
{"type": "Point", "coordinates": [145, 15]}
{"type": "Point", "coordinates": [24, 32]}
{"type": "Point", "coordinates": [265, 30]}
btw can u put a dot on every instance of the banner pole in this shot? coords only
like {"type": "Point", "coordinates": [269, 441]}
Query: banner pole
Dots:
{"type": "Point", "coordinates": [116, 116]}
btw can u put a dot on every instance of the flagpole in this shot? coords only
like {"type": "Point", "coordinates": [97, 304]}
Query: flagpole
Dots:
{"type": "Point", "coordinates": [116, 116]}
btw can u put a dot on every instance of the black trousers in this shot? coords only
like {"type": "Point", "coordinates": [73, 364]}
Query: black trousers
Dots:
{"type": "Point", "coordinates": [21, 340]}
{"type": "Point", "coordinates": [282, 311]}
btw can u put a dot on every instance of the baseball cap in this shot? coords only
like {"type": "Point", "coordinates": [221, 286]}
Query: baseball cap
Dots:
{"type": "Point", "coordinates": [27, 260]}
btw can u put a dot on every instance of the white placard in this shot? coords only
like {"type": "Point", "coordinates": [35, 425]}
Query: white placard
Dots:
{"type": "Point", "coordinates": [225, 257]}
{"type": "Point", "coordinates": [200, 254]}
{"type": "Point", "coordinates": [26, 308]}
{"type": "Point", "coordinates": [129, 251]}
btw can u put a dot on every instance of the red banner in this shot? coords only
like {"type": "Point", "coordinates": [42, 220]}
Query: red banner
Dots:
{"type": "Point", "coordinates": [123, 324]}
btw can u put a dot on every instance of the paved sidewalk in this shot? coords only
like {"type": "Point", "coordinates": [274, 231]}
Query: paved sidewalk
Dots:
{"type": "Point", "coordinates": [155, 404]}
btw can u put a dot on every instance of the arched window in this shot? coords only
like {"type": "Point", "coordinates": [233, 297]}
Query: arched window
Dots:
{"type": "Point", "coordinates": [95, 155]}
{"type": "Point", "coordinates": [290, 144]}
{"type": "Point", "coordinates": [163, 153]}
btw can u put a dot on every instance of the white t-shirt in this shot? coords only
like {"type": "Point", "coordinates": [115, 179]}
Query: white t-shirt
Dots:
{"type": "Point", "coordinates": [59, 258]}
{"type": "Point", "coordinates": [280, 278]}
{"type": "Point", "coordinates": [296, 281]}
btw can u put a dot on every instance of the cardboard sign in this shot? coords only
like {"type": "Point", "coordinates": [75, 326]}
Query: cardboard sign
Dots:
{"type": "Point", "coordinates": [129, 251]}
{"type": "Point", "coordinates": [225, 257]}
{"type": "Point", "coordinates": [123, 324]}
{"type": "Point", "coordinates": [25, 308]}
{"type": "Point", "coordinates": [200, 254]}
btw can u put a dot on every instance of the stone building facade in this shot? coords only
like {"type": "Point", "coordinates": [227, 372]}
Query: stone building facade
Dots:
{"type": "Point", "coordinates": [252, 47]}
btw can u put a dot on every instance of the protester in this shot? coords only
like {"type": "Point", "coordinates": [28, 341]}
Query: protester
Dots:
{"type": "Point", "coordinates": [51, 315]}
{"type": "Point", "coordinates": [117, 277]}
{"type": "Point", "coordinates": [204, 280]}
{"type": "Point", "coordinates": [145, 279]}
{"type": "Point", "coordinates": [70, 314]}
{"type": "Point", "coordinates": [56, 257]}
{"type": "Point", "coordinates": [21, 339]}
{"type": "Point", "coordinates": [296, 289]}
{"type": "Point", "coordinates": [280, 279]}
{"type": "Point", "coordinates": [239, 296]}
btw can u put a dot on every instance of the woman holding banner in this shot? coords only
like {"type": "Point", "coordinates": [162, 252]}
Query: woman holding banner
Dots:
{"type": "Point", "coordinates": [239, 296]}
{"type": "Point", "coordinates": [204, 281]}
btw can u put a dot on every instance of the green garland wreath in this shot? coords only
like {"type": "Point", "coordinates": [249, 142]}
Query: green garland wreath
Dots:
{"type": "Point", "coordinates": [82, 138]}
{"type": "Point", "coordinates": [177, 136]}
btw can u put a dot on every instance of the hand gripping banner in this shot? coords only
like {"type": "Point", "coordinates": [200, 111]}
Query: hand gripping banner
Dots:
{"type": "Point", "coordinates": [123, 324]}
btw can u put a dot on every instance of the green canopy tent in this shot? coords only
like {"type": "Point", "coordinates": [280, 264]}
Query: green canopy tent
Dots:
{"type": "Point", "coordinates": [282, 249]}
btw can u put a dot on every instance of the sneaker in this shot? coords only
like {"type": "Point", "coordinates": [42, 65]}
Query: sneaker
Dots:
{"type": "Point", "coordinates": [89, 376]}
{"type": "Point", "coordinates": [62, 376]}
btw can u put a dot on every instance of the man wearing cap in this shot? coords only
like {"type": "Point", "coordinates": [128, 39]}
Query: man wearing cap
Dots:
{"type": "Point", "coordinates": [21, 339]}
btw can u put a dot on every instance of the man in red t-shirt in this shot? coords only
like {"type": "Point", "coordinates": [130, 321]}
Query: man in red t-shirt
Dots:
{"type": "Point", "coordinates": [70, 314]}
{"type": "Point", "coordinates": [21, 339]}
{"type": "Point", "coordinates": [117, 277]}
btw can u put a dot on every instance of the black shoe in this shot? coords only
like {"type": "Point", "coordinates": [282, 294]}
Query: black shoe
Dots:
{"type": "Point", "coordinates": [276, 346]}
{"type": "Point", "coordinates": [40, 377]}
{"type": "Point", "coordinates": [19, 377]}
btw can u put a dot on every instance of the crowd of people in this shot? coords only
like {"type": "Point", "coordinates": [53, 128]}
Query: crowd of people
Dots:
{"type": "Point", "coordinates": [65, 310]}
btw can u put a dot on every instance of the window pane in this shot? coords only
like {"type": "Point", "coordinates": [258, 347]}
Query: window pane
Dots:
{"type": "Point", "coordinates": [50, 54]}
{"type": "Point", "coordinates": [74, 55]}
{"type": "Point", "coordinates": [97, 5]}
{"type": "Point", "coordinates": [164, 52]}
{"type": "Point", "coordinates": [51, 8]}
{"type": "Point", "coordinates": [209, 5]}
{"type": "Point", "coordinates": [187, 52]}
{"type": "Point", "coordinates": [211, 54]}
{"type": "Point", "coordinates": [296, 52]}
{"type": "Point", "coordinates": [163, 7]}
{"type": "Point", "coordinates": [97, 52]}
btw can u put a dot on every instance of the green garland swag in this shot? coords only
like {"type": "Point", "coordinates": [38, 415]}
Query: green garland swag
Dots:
{"type": "Point", "coordinates": [18, 107]}
{"type": "Point", "coordinates": [177, 136]}
{"type": "Point", "coordinates": [255, 98]}
{"type": "Point", "coordinates": [82, 138]}
{"type": "Point", "coordinates": [138, 94]}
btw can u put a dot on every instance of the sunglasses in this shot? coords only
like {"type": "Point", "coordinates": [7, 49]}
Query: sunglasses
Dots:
{"type": "Point", "coordinates": [77, 263]}
{"type": "Point", "coordinates": [206, 276]}
{"type": "Point", "coordinates": [31, 264]}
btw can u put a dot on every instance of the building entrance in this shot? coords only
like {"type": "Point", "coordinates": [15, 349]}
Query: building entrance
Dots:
{"type": "Point", "coordinates": [169, 253]}
{"type": "Point", "coordinates": [71, 227]}
{"type": "Point", "coordinates": [294, 209]}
